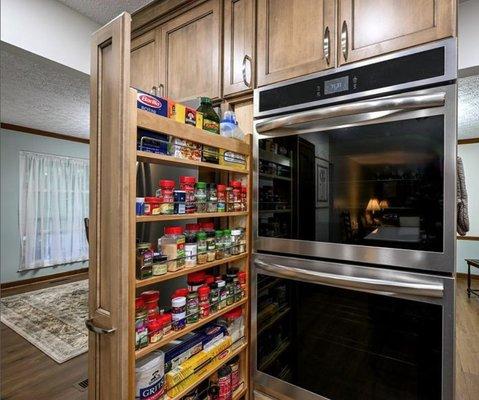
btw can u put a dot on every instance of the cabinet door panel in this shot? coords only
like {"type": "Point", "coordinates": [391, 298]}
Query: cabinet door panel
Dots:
{"type": "Point", "coordinates": [190, 43]}
{"type": "Point", "coordinates": [238, 46]}
{"type": "Point", "coordinates": [144, 61]}
{"type": "Point", "coordinates": [290, 38]}
{"type": "Point", "coordinates": [374, 27]}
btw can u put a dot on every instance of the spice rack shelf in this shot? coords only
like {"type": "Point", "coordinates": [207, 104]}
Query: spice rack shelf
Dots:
{"type": "Point", "coordinates": [154, 158]}
{"type": "Point", "coordinates": [173, 335]}
{"type": "Point", "coordinates": [237, 395]}
{"type": "Point", "coordinates": [167, 126]}
{"type": "Point", "coordinates": [179, 217]}
{"type": "Point", "coordinates": [171, 275]}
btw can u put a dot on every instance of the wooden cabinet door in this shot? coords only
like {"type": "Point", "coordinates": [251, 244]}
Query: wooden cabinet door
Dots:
{"type": "Point", "coordinates": [294, 38]}
{"type": "Point", "coordinates": [238, 36]}
{"type": "Point", "coordinates": [190, 53]}
{"type": "Point", "coordinates": [367, 28]}
{"type": "Point", "coordinates": [145, 69]}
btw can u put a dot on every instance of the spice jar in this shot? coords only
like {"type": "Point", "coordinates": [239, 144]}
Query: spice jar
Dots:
{"type": "Point", "coordinates": [202, 248]}
{"type": "Point", "coordinates": [178, 313]}
{"type": "Point", "coordinates": [172, 245]}
{"type": "Point", "coordinates": [140, 205]}
{"type": "Point", "coordinates": [214, 297]}
{"type": "Point", "coordinates": [244, 198]}
{"type": "Point", "coordinates": [238, 291]}
{"type": "Point", "coordinates": [212, 198]}
{"type": "Point", "coordinates": [165, 319]}
{"type": "Point", "coordinates": [227, 242]}
{"type": "Point", "coordinates": [193, 228]}
{"type": "Point", "coordinates": [234, 364]}
{"type": "Point", "coordinates": [166, 196]}
{"type": "Point", "coordinates": [187, 183]}
{"type": "Point", "coordinates": [224, 383]}
{"type": "Point", "coordinates": [223, 294]}
{"type": "Point", "coordinates": [181, 292]}
{"type": "Point", "coordinates": [155, 331]}
{"type": "Point", "coordinates": [210, 246]}
{"type": "Point", "coordinates": [195, 280]}
{"type": "Point", "coordinates": [152, 206]}
{"type": "Point", "coordinates": [200, 195]}
{"type": "Point", "coordinates": [144, 261]}
{"type": "Point", "coordinates": [235, 241]}
{"type": "Point", "coordinates": [204, 301]}
{"type": "Point", "coordinates": [230, 206]}
{"type": "Point", "coordinates": [192, 308]}
{"type": "Point", "coordinates": [242, 241]}
{"type": "Point", "coordinates": [214, 393]}
{"type": "Point", "coordinates": [209, 279]}
{"type": "Point", "coordinates": [220, 254]}
{"type": "Point", "coordinates": [242, 281]}
{"type": "Point", "coordinates": [180, 201]}
{"type": "Point", "coordinates": [191, 249]}
{"type": "Point", "coordinates": [236, 185]}
{"type": "Point", "coordinates": [141, 333]}
{"type": "Point", "coordinates": [221, 193]}
{"type": "Point", "coordinates": [230, 291]}
{"type": "Point", "coordinates": [151, 298]}
{"type": "Point", "coordinates": [159, 266]}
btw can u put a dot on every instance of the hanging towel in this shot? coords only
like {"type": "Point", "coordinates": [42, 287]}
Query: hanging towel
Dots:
{"type": "Point", "coordinates": [462, 213]}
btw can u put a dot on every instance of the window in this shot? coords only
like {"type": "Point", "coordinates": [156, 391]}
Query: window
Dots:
{"type": "Point", "coordinates": [53, 201]}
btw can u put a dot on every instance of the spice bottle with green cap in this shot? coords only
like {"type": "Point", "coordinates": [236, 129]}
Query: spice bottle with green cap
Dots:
{"type": "Point", "coordinates": [200, 195]}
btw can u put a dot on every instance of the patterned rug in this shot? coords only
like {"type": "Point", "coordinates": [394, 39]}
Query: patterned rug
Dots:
{"type": "Point", "coordinates": [51, 319]}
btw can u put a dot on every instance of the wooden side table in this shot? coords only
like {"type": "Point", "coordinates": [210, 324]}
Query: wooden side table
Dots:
{"type": "Point", "coordinates": [473, 263]}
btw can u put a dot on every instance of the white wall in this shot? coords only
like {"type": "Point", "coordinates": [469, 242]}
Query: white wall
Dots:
{"type": "Point", "coordinates": [49, 29]}
{"type": "Point", "coordinates": [468, 34]}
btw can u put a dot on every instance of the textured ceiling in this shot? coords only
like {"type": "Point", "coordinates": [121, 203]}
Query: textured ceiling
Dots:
{"type": "Point", "coordinates": [41, 94]}
{"type": "Point", "coordinates": [105, 10]}
{"type": "Point", "coordinates": [468, 107]}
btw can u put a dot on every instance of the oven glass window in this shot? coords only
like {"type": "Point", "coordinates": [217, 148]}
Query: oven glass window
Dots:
{"type": "Point", "coordinates": [347, 345]}
{"type": "Point", "coordinates": [374, 185]}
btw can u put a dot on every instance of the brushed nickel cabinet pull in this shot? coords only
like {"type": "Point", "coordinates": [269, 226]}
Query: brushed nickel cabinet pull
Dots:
{"type": "Point", "coordinates": [96, 329]}
{"type": "Point", "coordinates": [247, 58]}
{"type": "Point", "coordinates": [345, 41]}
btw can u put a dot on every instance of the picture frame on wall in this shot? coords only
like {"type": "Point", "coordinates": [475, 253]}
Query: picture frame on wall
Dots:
{"type": "Point", "coordinates": [322, 183]}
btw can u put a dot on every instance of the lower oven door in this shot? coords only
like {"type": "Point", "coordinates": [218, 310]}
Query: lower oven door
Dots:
{"type": "Point", "coordinates": [344, 332]}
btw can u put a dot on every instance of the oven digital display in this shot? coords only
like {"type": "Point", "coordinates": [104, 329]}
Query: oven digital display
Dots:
{"type": "Point", "coordinates": [336, 85]}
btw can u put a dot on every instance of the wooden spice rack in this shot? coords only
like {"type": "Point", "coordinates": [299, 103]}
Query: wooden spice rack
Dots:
{"type": "Point", "coordinates": [174, 129]}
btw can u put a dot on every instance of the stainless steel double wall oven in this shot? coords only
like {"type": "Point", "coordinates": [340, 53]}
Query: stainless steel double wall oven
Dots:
{"type": "Point", "coordinates": [354, 230]}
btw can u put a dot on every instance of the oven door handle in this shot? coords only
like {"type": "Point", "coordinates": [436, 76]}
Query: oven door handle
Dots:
{"type": "Point", "coordinates": [381, 286]}
{"type": "Point", "coordinates": [364, 110]}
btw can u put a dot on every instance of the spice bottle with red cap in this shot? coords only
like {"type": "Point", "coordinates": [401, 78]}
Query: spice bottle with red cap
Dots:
{"type": "Point", "coordinates": [221, 193]}
{"type": "Point", "coordinates": [187, 183]}
{"type": "Point", "coordinates": [204, 301]}
{"type": "Point", "coordinates": [166, 196]}
{"type": "Point", "coordinates": [172, 245]}
{"type": "Point", "coordinates": [236, 185]}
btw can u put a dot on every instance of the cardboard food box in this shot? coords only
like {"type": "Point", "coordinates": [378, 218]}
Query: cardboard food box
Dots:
{"type": "Point", "coordinates": [176, 111]}
{"type": "Point", "coordinates": [154, 104]}
{"type": "Point", "coordinates": [232, 159]}
{"type": "Point", "coordinates": [190, 116]}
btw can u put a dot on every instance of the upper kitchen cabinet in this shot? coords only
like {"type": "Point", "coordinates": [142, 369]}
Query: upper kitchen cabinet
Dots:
{"type": "Point", "coordinates": [144, 64]}
{"type": "Point", "coordinates": [238, 46]}
{"type": "Point", "coordinates": [190, 64]}
{"type": "Point", "coordinates": [294, 38]}
{"type": "Point", "coordinates": [367, 28]}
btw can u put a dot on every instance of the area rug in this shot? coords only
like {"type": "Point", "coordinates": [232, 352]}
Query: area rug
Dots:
{"type": "Point", "coordinates": [51, 319]}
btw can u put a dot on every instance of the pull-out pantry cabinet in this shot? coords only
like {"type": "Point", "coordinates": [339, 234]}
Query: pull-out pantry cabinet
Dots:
{"type": "Point", "coordinates": [369, 28]}
{"type": "Point", "coordinates": [114, 228]}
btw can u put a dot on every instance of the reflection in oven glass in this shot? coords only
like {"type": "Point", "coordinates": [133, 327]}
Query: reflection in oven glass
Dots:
{"type": "Point", "coordinates": [348, 345]}
{"type": "Point", "coordinates": [375, 185]}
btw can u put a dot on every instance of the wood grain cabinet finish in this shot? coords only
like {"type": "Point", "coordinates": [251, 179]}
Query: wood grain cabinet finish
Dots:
{"type": "Point", "coordinates": [238, 46]}
{"type": "Point", "coordinates": [367, 28]}
{"type": "Point", "coordinates": [294, 38]}
{"type": "Point", "coordinates": [144, 61]}
{"type": "Point", "coordinates": [190, 53]}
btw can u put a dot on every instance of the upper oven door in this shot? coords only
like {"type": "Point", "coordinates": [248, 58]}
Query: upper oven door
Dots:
{"type": "Point", "coordinates": [324, 330]}
{"type": "Point", "coordinates": [376, 175]}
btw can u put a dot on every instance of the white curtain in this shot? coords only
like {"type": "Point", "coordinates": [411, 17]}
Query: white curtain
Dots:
{"type": "Point", "coordinates": [53, 201]}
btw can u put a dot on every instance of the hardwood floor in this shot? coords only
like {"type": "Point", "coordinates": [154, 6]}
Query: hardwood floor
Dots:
{"type": "Point", "coordinates": [27, 373]}
{"type": "Point", "coordinates": [467, 342]}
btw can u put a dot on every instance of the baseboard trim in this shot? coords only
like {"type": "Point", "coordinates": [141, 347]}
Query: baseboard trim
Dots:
{"type": "Point", "coordinates": [50, 278]}
{"type": "Point", "coordinates": [464, 276]}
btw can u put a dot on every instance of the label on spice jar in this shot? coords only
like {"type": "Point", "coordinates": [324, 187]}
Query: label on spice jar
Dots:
{"type": "Point", "coordinates": [211, 126]}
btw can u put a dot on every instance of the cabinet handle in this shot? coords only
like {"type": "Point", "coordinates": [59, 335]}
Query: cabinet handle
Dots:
{"type": "Point", "coordinates": [246, 57]}
{"type": "Point", "coordinates": [161, 88]}
{"type": "Point", "coordinates": [97, 329]}
{"type": "Point", "coordinates": [345, 40]}
{"type": "Point", "coordinates": [326, 44]}
{"type": "Point", "coordinates": [154, 91]}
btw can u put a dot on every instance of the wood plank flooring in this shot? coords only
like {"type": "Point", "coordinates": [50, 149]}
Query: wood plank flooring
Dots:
{"type": "Point", "coordinates": [26, 373]}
